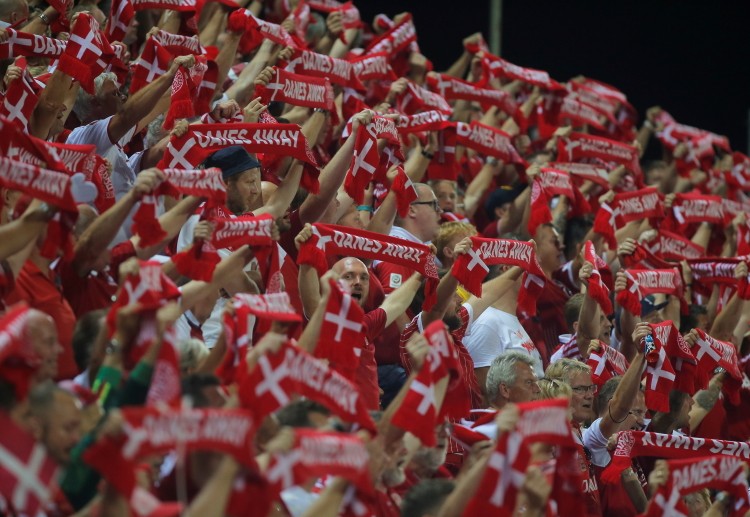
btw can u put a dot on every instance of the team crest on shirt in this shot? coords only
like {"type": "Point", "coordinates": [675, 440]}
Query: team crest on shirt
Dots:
{"type": "Point", "coordinates": [529, 346]}
{"type": "Point", "coordinates": [395, 281]}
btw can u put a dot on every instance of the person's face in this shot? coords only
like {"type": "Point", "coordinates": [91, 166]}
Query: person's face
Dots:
{"type": "Point", "coordinates": [395, 462]}
{"type": "Point", "coordinates": [639, 411]}
{"type": "Point", "coordinates": [445, 192]}
{"type": "Point", "coordinates": [243, 191]}
{"type": "Point", "coordinates": [606, 328]}
{"type": "Point", "coordinates": [451, 319]}
{"type": "Point", "coordinates": [425, 212]}
{"type": "Point", "coordinates": [525, 389]}
{"type": "Point", "coordinates": [696, 505]}
{"type": "Point", "coordinates": [549, 248]}
{"type": "Point", "coordinates": [355, 278]}
{"type": "Point", "coordinates": [109, 100]}
{"type": "Point", "coordinates": [582, 402]}
{"type": "Point", "coordinates": [61, 427]}
{"type": "Point", "coordinates": [351, 219]}
{"type": "Point", "coordinates": [43, 336]}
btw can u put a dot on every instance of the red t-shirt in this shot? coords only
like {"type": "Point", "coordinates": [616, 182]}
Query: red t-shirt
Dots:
{"type": "Point", "coordinates": [96, 290]}
{"type": "Point", "coordinates": [40, 291]}
{"type": "Point", "coordinates": [367, 371]}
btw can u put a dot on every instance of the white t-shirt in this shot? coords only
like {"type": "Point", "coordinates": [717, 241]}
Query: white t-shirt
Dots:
{"type": "Point", "coordinates": [596, 443]}
{"type": "Point", "coordinates": [495, 332]}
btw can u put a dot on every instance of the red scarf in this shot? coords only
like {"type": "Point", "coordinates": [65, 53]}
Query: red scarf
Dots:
{"type": "Point", "coordinates": [597, 288]}
{"type": "Point", "coordinates": [606, 363]}
{"type": "Point", "coordinates": [452, 88]}
{"type": "Point", "coordinates": [152, 64]}
{"type": "Point", "coordinates": [548, 184]}
{"type": "Point", "coordinates": [179, 44]}
{"type": "Point", "coordinates": [296, 89]}
{"type": "Point", "coordinates": [444, 164]}
{"type": "Point", "coordinates": [581, 146]}
{"type": "Point", "coordinates": [432, 120]}
{"type": "Point", "coordinates": [593, 173]}
{"type": "Point", "coordinates": [271, 31]}
{"type": "Point", "coordinates": [121, 13]}
{"type": "Point", "coordinates": [43, 184]}
{"type": "Point", "coordinates": [416, 98]}
{"type": "Point", "coordinates": [712, 353]}
{"type": "Point", "coordinates": [643, 282]}
{"type": "Point", "coordinates": [317, 454]}
{"type": "Point", "coordinates": [186, 90]}
{"type": "Point", "coordinates": [494, 66]}
{"type": "Point", "coordinates": [338, 71]}
{"type": "Point", "coordinates": [632, 444]}
{"type": "Point", "coordinates": [206, 183]}
{"type": "Point", "coordinates": [20, 100]}
{"type": "Point", "coordinates": [543, 421]}
{"type": "Point", "coordinates": [373, 66]}
{"type": "Point", "coordinates": [396, 39]}
{"type": "Point", "coordinates": [660, 376]}
{"type": "Point", "coordinates": [679, 353]}
{"type": "Point", "coordinates": [672, 246]}
{"type": "Point", "coordinates": [697, 208]}
{"type": "Point", "coordinates": [488, 141]}
{"type": "Point", "coordinates": [31, 45]}
{"type": "Point", "coordinates": [579, 113]}
{"type": "Point", "coordinates": [489, 252]}
{"type": "Point", "coordinates": [714, 270]}
{"type": "Point", "coordinates": [406, 192]}
{"type": "Point", "coordinates": [85, 55]}
{"type": "Point", "coordinates": [165, 385]}
{"type": "Point", "coordinates": [692, 475]}
{"type": "Point", "coordinates": [246, 229]}
{"type": "Point", "coordinates": [366, 160]}
{"type": "Point", "coordinates": [201, 140]}
{"type": "Point", "coordinates": [604, 105]}
{"type": "Point", "coordinates": [341, 334]}
{"type": "Point", "coordinates": [642, 258]}
{"type": "Point", "coordinates": [291, 370]}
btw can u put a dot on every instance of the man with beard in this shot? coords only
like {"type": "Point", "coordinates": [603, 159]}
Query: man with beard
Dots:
{"type": "Point", "coordinates": [458, 317]}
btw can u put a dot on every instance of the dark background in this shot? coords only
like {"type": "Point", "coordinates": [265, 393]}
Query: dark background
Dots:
{"type": "Point", "coordinates": [690, 57]}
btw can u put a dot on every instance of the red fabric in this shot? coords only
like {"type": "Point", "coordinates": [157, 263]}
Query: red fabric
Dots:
{"type": "Point", "coordinates": [711, 353]}
{"type": "Point", "coordinates": [643, 282]}
{"type": "Point", "coordinates": [364, 165]}
{"type": "Point", "coordinates": [338, 71]}
{"type": "Point", "coordinates": [43, 184]}
{"type": "Point", "coordinates": [27, 473]}
{"type": "Point", "coordinates": [200, 141]}
{"type": "Point", "coordinates": [598, 175]}
{"type": "Point", "coordinates": [295, 371]}
{"type": "Point", "coordinates": [452, 88]}
{"type": "Point", "coordinates": [497, 67]}
{"type": "Point", "coordinates": [548, 184]}
{"type": "Point", "coordinates": [19, 101]}
{"type": "Point", "coordinates": [405, 191]}
{"type": "Point", "coordinates": [121, 13]}
{"type": "Point", "coordinates": [373, 66]}
{"type": "Point", "coordinates": [366, 376]}
{"type": "Point", "coordinates": [432, 120]}
{"type": "Point", "coordinates": [152, 64]}
{"type": "Point", "coordinates": [179, 44]}
{"type": "Point", "coordinates": [197, 262]}
{"type": "Point", "coordinates": [165, 385]}
{"type": "Point", "coordinates": [488, 252]}
{"type": "Point", "coordinates": [297, 89]}
{"type": "Point", "coordinates": [342, 333]}
{"type": "Point", "coordinates": [25, 44]}
{"type": "Point", "coordinates": [84, 57]}
{"type": "Point", "coordinates": [580, 146]}
{"type": "Point", "coordinates": [697, 208]}
{"type": "Point", "coordinates": [679, 353]}
{"type": "Point", "coordinates": [597, 288]}
{"type": "Point", "coordinates": [660, 377]}
{"type": "Point", "coordinates": [606, 363]}
{"type": "Point", "coordinates": [417, 98]}
{"type": "Point", "coordinates": [721, 474]}
{"type": "Point", "coordinates": [246, 229]}
{"type": "Point", "coordinates": [18, 360]}
{"type": "Point", "coordinates": [316, 454]}
{"type": "Point", "coordinates": [396, 39]}
{"type": "Point", "coordinates": [631, 444]}
{"type": "Point", "coordinates": [488, 141]}
{"type": "Point", "coordinates": [672, 246]}
{"type": "Point", "coordinates": [145, 223]}
{"type": "Point", "coordinates": [40, 291]}
{"type": "Point", "coordinates": [579, 113]}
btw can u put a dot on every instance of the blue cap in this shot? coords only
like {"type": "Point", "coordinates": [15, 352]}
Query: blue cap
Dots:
{"type": "Point", "coordinates": [232, 161]}
{"type": "Point", "coordinates": [648, 306]}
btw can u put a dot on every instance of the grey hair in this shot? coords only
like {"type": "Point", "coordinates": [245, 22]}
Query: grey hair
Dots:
{"type": "Point", "coordinates": [192, 353]}
{"type": "Point", "coordinates": [503, 371]}
{"type": "Point", "coordinates": [82, 106]}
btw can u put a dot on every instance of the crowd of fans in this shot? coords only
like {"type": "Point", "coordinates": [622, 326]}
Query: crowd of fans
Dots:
{"type": "Point", "coordinates": [261, 258]}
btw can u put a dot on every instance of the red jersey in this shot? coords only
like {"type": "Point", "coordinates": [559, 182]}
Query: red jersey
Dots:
{"type": "Point", "coordinates": [367, 371]}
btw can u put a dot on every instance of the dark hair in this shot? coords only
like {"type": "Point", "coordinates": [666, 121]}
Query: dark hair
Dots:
{"type": "Point", "coordinates": [575, 231]}
{"type": "Point", "coordinates": [605, 394]}
{"type": "Point", "coordinates": [84, 336]}
{"type": "Point", "coordinates": [426, 497]}
{"type": "Point", "coordinates": [297, 413]}
{"type": "Point", "coordinates": [194, 384]}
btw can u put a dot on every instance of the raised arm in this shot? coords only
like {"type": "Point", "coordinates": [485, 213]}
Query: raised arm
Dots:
{"type": "Point", "coordinates": [399, 300]}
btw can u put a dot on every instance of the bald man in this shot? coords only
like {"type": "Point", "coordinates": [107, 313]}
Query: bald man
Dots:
{"type": "Point", "coordinates": [355, 278]}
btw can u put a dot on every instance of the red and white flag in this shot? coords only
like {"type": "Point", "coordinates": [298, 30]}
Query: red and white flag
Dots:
{"type": "Point", "coordinates": [373, 66]}
{"type": "Point", "coordinates": [20, 100]}
{"type": "Point", "coordinates": [606, 363]}
{"type": "Point", "coordinates": [30, 45]}
{"type": "Point", "coordinates": [342, 333]}
{"type": "Point", "coordinates": [84, 57]}
{"type": "Point", "coordinates": [120, 15]}
{"type": "Point", "coordinates": [597, 289]}
{"type": "Point", "coordinates": [152, 64]}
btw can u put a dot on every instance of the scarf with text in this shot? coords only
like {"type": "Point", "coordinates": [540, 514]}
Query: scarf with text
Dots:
{"type": "Point", "coordinates": [46, 185]}
{"type": "Point", "coordinates": [317, 454]}
{"type": "Point", "coordinates": [471, 268]}
{"type": "Point", "coordinates": [330, 240]}
{"type": "Point", "coordinates": [548, 184]}
{"type": "Point", "coordinates": [488, 141]}
{"type": "Point", "coordinates": [493, 66]}
{"type": "Point", "coordinates": [605, 363]}
{"type": "Point", "coordinates": [30, 45]}
{"type": "Point", "coordinates": [417, 98]}
{"type": "Point", "coordinates": [237, 231]}
{"type": "Point", "coordinates": [18, 359]}
{"type": "Point", "coordinates": [432, 120]}
{"type": "Point", "coordinates": [338, 71]}
{"type": "Point", "coordinates": [278, 376]}
{"type": "Point", "coordinates": [659, 375]}
{"type": "Point", "coordinates": [298, 90]}
{"type": "Point", "coordinates": [710, 353]}
{"type": "Point", "coordinates": [586, 171]}
{"type": "Point", "coordinates": [627, 207]}
{"type": "Point", "coordinates": [643, 282]}
{"type": "Point", "coordinates": [582, 146]}
{"type": "Point", "coordinates": [706, 272]}
{"type": "Point", "coordinates": [588, 95]}
{"type": "Point", "coordinates": [373, 66]}
{"type": "Point", "coordinates": [679, 354]}
{"type": "Point", "coordinates": [695, 208]}
{"type": "Point", "coordinates": [692, 475]}
{"type": "Point", "coordinates": [543, 421]}
{"type": "Point", "coordinates": [151, 64]}
{"type": "Point", "coordinates": [597, 288]}
{"type": "Point", "coordinates": [632, 444]}
{"type": "Point", "coordinates": [394, 40]}
{"type": "Point", "coordinates": [366, 164]}
{"type": "Point", "coordinates": [201, 140]}
{"type": "Point", "coordinates": [452, 88]}
{"type": "Point", "coordinates": [672, 246]}
{"type": "Point", "coordinates": [576, 112]}
{"type": "Point", "coordinates": [457, 401]}
{"type": "Point", "coordinates": [342, 333]}
{"type": "Point", "coordinates": [192, 91]}
{"type": "Point", "coordinates": [166, 387]}
{"type": "Point", "coordinates": [83, 158]}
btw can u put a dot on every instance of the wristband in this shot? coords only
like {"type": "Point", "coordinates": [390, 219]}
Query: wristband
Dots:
{"type": "Point", "coordinates": [365, 208]}
{"type": "Point", "coordinates": [44, 18]}
{"type": "Point", "coordinates": [428, 154]}
{"type": "Point", "coordinates": [320, 110]}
